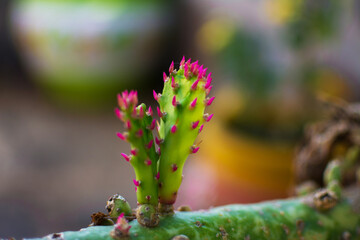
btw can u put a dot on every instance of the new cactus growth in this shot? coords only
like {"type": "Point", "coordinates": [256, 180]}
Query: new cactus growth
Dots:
{"type": "Point", "coordinates": [182, 116]}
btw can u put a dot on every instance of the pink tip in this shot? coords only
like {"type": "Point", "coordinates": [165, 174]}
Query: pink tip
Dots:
{"type": "Point", "coordinates": [120, 135]}
{"type": "Point", "coordinates": [135, 189]}
{"type": "Point", "coordinates": [127, 158]}
{"type": "Point", "coordinates": [194, 85]}
{"type": "Point", "coordinates": [158, 141]}
{"type": "Point", "coordinates": [208, 81]}
{"type": "Point", "coordinates": [182, 61]}
{"type": "Point", "coordinates": [204, 72]}
{"type": "Point", "coordinates": [201, 69]}
{"type": "Point", "coordinates": [157, 176]}
{"type": "Point", "coordinates": [133, 152]}
{"type": "Point", "coordinates": [136, 183]}
{"type": "Point", "coordinates": [158, 151]}
{"type": "Point", "coordinates": [152, 125]}
{"type": "Point", "coordinates": [128, 124]}
{"type": "Point", "coordinates": [194, 67]}
{"type": "Point", "coordinates": [195, 124]}
{"type": "Point", "coordinates": [148, 162]}
{"type": "Point", "coordinates": [186, 70]}
{"type": "Point", "coordinates": [164, 76]}
{"type": "Point", "coordinates": [201, 128]}
{"type": "Point", "coordinates": [173, 129]}
{"type": "Point", "coordinates": [118, 113]}
{"type": "Point", "coordinates": [209, 102]}
{"type": "Point", "coordinates": [174, 101]}
{"type": "Point", "coordinates": [193, 103]}
{"type": "Point", "coordinates": [174, 167]}
{"type": "Point", "coordinates": [141, 112]}
{"type": "Point", "coordinates": [121, 101]}
{"type": "Point", "coordinates": [149, 112]}
{"type": "Point", "coordinates": [209, 117]}
{"type": "Point", "coordinates": [149, 145]}
{"type": "Point", "coordinates": [156, 97]}
{"type": "Point", "coordinates": [195, 149]}
{"type": "Point", "coordinates": [208, 90]}
{"type": "Point", "coordinates": [188, 61]}
{"type": "Point", "coordinates": [173, 83]}
{"type": "Point", "coordinates": [140, 133]}
{"type": "Point", "coordinates": [148, 197]}
{"type": "Point", "coordinates": [121, 215]}
{"type": "Point", "coordinates": [171, 68]}
{"type": "Point", "coordinates": [159, 112]}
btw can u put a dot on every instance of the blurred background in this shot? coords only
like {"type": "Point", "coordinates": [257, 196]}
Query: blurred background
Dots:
{"type": "Point", "coordinates": [62, 63]}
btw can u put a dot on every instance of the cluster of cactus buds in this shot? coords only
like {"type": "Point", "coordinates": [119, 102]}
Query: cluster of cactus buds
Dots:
{"type": "Point", "coordinates": [182, 117]}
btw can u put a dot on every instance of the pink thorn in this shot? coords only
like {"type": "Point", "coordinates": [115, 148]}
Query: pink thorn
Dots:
{"type": "Point", "coordinates": [135, 189]}
{"type": "Point", "coordinates": [193, 103]}
{"type": "Point", "coordinates": [174, 167]}
{"type": "Point", "coordinates": [208, 90]}
{"type": "Point", "coordinates": [182, 61]}
{"type": "Point", "coordinates": [201, 128]}
{"type": "Point", "coordinates": [207, 119]}
{"type": "Point", "coordinates": [149, 112]}
{"type": "Point", "coordinates": [201, 69]}
{"type": "Point", "coordinates": [194, 67]}
{"type": "Point", "coordinates": [208, 81]}
{"type": "Point", "coordinates": [157, 176]}
{"type": "Point", "coordinates": [195, 124]}
{"type": "Point", "coordinates": [118, 113]}
{"type": "Point", "coordinates": [128, 124]}
{"type": "Point", "coordinates": [209, 102]}
{"type": "Point", "coordinates": [204, 72]}
{"type": "Point", "coordinates": [149, 145]}
{"type": "Point", "coordinates": [164, 76]}
{"type": "Point", "coordinates": [140, 133]}
{"type": "Point", "coordinates": [186, 70]}
{"type": "Point", "coordinates": [141, 112]}
{"type": "Point", "coordinates": [188, 61]}
{"type": "Point", "coordinates": [194, 85]}
{"type": "Point", "coordinates": [159, 112]}
{"type": "Point", "coordinates": [121, 215]}
{"type": "Point", "coordinates": [121, 102]}
{"type": "Point", "coordinates": [195, 149]}
{"type": "Point", "coordinates": [173, 129]}
{"type": "Point", "coordinates": [173, 83]}
{"type": "Point", "coordinates": [134, 113]}
{"type": "Point", "coordinates": [158, 141]}
{"type": "Point", "coordinates": [120, 135]}
{"type": "Point", "coordinates": [152, 125]}
{"type": "Point", "coordinates": [148, 162]}
{"type": "Point", "coordinates": [156, 96]}
{"type": "Point", "coordinates": [171, 68]}
{"type": "Point", "coordinates": [148, 197]}
{"type": "Point", "coordinates": [174, 101]}
{"type": "Point", "coordinates": [158, 151]}
{"type": "Point", "coordinates": [127, 158]}
{"type": "Point", "coordinates": [133, 152]}
{"type": "Point", "coordinates": [136, 183]}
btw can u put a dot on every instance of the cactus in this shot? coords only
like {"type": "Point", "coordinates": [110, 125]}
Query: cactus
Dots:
{"type": "Point", "coordinates": [182, 105]}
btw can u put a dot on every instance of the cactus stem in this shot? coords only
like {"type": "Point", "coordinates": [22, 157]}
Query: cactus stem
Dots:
{"type": "Point", "coordinates": [165, 77]}
{"type": "Point", "coordinates": [182, 61]}
{"type": "Point", "coordinates": [127, 158]}
{"type": "Point", "coordinates": [140, 133]}
{"type": "Point", "coordinates": [171, 68]}
{"type": "Point", "coordinates": [194, 85]}
{"type": "Point", "coordinates": [195, 124]}
{"type": "Point", "coordinates": [156, 96]}
{"type": "Point", "coordinates": [173, 128]}
{"type": "Point", "coordinates": [209, 101]}
{"type": "Point", "coordinates": [121, 136]}
{"type": "Point", "coordinates": [134, 151]}
{"type": "Point", "coordinates": [136, 183]}
{"type": "Point", "coordinates": [193, 103]}
{"type": "Point", "coordinates": [148, 162]}
{"type": "Point", "coordinates": [174, 167]}
{"type": "Point", "coordinates": [194, 149]}
{"type": "Point", "coordinates": [149, 145]}
{"type": "Point", "coordinates": [157, 177]}
{"type": "Point", "coordinates": [201, 128]}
